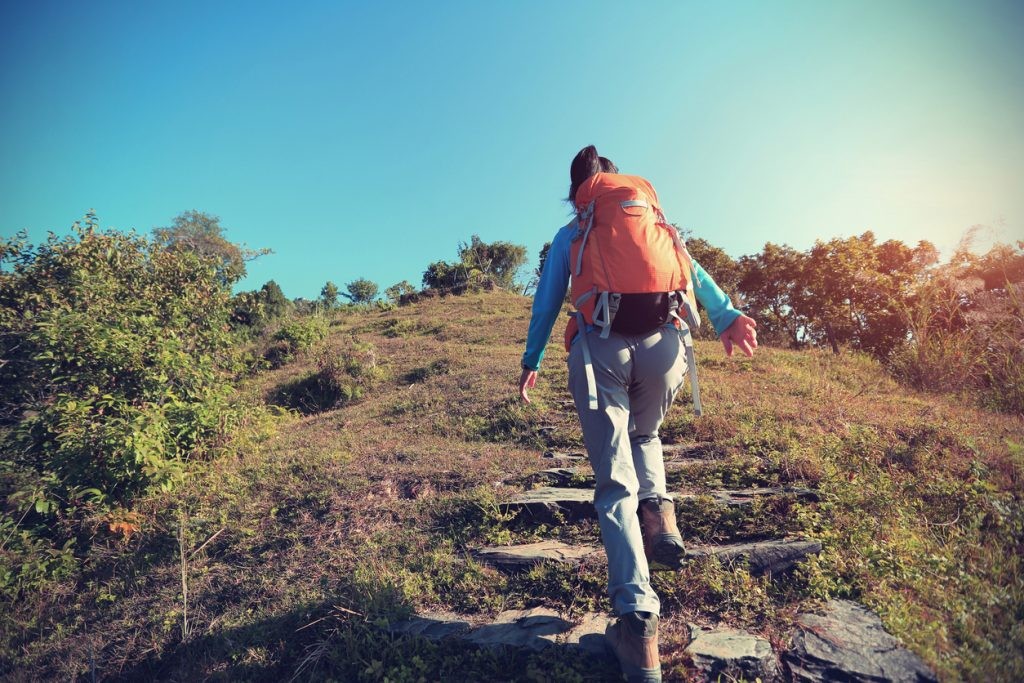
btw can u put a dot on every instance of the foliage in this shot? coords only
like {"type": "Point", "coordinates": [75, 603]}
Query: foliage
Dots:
{"type": "Point", "coordinates": [480, 264]}
{"type": "Point", "coordinates": [726, 275]}
{"type": "Point", "coordinates": [499, 261]}
{"type": "Point", "coordinates": [201, 233]}
{"type": "Point", "coordinates": [296, 336]}
{"type": "Point", "coordinates": [114, 353]}
{"type": "Point", "coordinates": [967, 321]}
{"type": "Point", "coordinates": [254, 310]}
{"type": "Point", "coordinates": [328, 296]}
{"type": "Point", "coordinates": [770, 282]}
{"type": "Point", "coordinates": [339, 379]}
{"type": "Point", "coordinates": [303, 306]}
{"type": "Point", "coordinates": [856, 286]}
{"type": "Point", "coordinates": [400, 292]}
{"type": "Point", "coordinates": [361, 291]}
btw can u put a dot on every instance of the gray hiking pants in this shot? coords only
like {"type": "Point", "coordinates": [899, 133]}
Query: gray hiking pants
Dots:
{"type": "Point", "coordinates": [637, 378]}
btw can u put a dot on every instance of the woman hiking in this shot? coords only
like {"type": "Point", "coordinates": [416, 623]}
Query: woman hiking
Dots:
{"type": "Point", "coordinates": [625, 367]}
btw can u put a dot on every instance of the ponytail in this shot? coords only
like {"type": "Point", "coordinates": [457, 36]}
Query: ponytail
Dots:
{"type": "Point", "coordinates": [585, 164]}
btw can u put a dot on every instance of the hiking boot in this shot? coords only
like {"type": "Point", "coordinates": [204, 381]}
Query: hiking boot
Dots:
{"type": "Point", "coordinates": [633, 638]}
{"type": "Point", "coordinates": [663, 545]}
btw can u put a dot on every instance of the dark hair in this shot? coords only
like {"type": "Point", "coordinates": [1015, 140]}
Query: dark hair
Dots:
{"type": "Point", "coordinates": [585, 164]}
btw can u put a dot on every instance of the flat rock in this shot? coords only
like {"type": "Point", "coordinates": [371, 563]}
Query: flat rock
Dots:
{"type": "Point", "coordinates": [849, 643]}
{"type": "Point", "coordinates": [545, 503]}
{"type": "Point", "coordinates": [559, 455]}
{"type": "Point", "coordinates": [682, 464]}
{"type": "Point", "coordinates": [581, 476]}
{"type": "Point", "coordinates": [772, 557]}
{"type": "Point", "coordinates": [741, 497]}
{"type": "Point", "coordinates": [524, 556]}
{"type": "Point", "coordinates": [578, 477]}
{"type": "Point", "coordinates": [703, 450]}
{"type": "Point", "coordinates": [540, 628]}
{"type": "Point", "coordinates": [727, 654]}
{"type": "Point", "coordinates": [436, 626]}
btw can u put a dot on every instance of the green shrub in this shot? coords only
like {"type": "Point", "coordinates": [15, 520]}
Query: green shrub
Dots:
{"type": "Point", "coordinates": [296, 336]}
{"type": "Point", "coordinates": [339, 379]}
{"type": "Point", "coordinates": [115, 351]}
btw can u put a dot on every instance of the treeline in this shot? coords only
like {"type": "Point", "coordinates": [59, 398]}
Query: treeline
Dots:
{"type": "Point", "coordinates": [956, 325]}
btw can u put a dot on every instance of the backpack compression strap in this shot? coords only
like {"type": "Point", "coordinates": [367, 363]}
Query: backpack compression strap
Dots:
{"type": "Point", "coordinates": [691, 362]}
{"type": "Point", "coordinates": [588, 364]}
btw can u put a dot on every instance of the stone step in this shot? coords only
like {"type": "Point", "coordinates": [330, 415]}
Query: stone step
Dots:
{"type": "Point", "coordinates": [566, 477]}
{"type": "Point", "coordinates": [849, 643]}
{"type": "Point", "coordinates": [773, 557]}
{"type": "Point", "coordinates": [517, 557]}
{"type": "Point", "coordinates": [702, 450]}
{"type": "Point", "coordinates": [582, 476]}
{"type": "Point", "coordinates": [846, 643]}
{"type": "Point", "coordinates": [545, 503]}
{"type": "Point", "coordinates": [697, 450]}
{"type": "Point", "coordinates": [714, 653]}
{"type": "Point", "coordinates": [732, 655]}
{"type": "Point", "coordinates": [573, 457]}
{"type": "Point", "coordinates": [741, 497]}
{"type": "Point", "coordinates": [532, 629]}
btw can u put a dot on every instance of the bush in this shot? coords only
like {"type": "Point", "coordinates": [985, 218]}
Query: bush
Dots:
{"type": "Point", "coordinates": [480, 266]}
{"type": "Point", "coordinates": [254, 310]}
{"type": "Point", "coordinates": [966, 329]}
{"type": "Point", "coordinates": [296, 336]}
{"type": "Point", "coordinates": [339, 379]}
{"type": "Point", "coordinates": [114, 353]}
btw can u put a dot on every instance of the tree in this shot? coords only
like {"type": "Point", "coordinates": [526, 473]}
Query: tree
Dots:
{"type": "Point", "coordinates": [329, 296]}
{"type": "Point", "coordinates": [499, 261]}
{"type": "Point", "coordinates": [479, 264]}
{"type": "Point", "coordinates": [542, 258]}
{"type": "Point", "coordinates": [400, 291]}
{"type": "Point", "coordinates": [255, 309]}
{"type": "Point", "coordinates": [201, 233]}
{"type": "Point", "coordinates": [361, 291]}
{"type": "Point", "coordinates": [771, 286]}
{"type": "Point", "coordinates": [303, 306]}
{"type": "Point", "coordinates": [534, 280]}
{"type": "Point", "coordinates": [277, 304]}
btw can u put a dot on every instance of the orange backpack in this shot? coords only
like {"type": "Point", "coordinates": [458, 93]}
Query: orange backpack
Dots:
{"type": "Point", "coordinates": [625, 246]}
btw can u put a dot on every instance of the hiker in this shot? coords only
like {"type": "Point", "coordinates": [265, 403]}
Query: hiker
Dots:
{"type": "Point", "coordinates": [626, 363]}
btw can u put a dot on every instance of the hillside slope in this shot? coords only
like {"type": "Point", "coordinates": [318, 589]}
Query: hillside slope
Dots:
{"type": "Point", "coordinates": [333, 522]}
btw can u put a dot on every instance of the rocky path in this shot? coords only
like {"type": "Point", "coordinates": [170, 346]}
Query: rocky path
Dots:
{"type": "Point", "coordinates": [847, 642]}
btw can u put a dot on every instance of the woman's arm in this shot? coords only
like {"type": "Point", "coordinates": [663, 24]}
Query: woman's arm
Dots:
{"type": "Point", "coordinates": [547, 304]}
{"type": "Point", "coordinates": [733, 328]}
{"type": "Point", "coordinates": [547, 301]}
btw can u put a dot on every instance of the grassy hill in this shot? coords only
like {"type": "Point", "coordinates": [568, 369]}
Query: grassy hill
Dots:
{"type": "Point", "coordinates": [330, 522]}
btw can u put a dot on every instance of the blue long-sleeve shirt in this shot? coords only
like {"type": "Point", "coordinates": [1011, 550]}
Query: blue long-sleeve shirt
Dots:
{"type": "Point", "coordinates": [554, 281]}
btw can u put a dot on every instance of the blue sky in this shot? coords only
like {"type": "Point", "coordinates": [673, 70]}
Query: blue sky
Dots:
{"type": "Point", "coordinates": [368, 139]}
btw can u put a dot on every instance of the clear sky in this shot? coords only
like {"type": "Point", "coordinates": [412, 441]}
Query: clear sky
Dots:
{"type": "Point", "coordinates": [368, 139]}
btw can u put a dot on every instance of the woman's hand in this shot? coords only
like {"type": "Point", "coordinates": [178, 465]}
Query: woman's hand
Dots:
{"type": "Point", "coordinates": [742, 333]}
{"type": "Point", "coordinates": [526, 381]}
